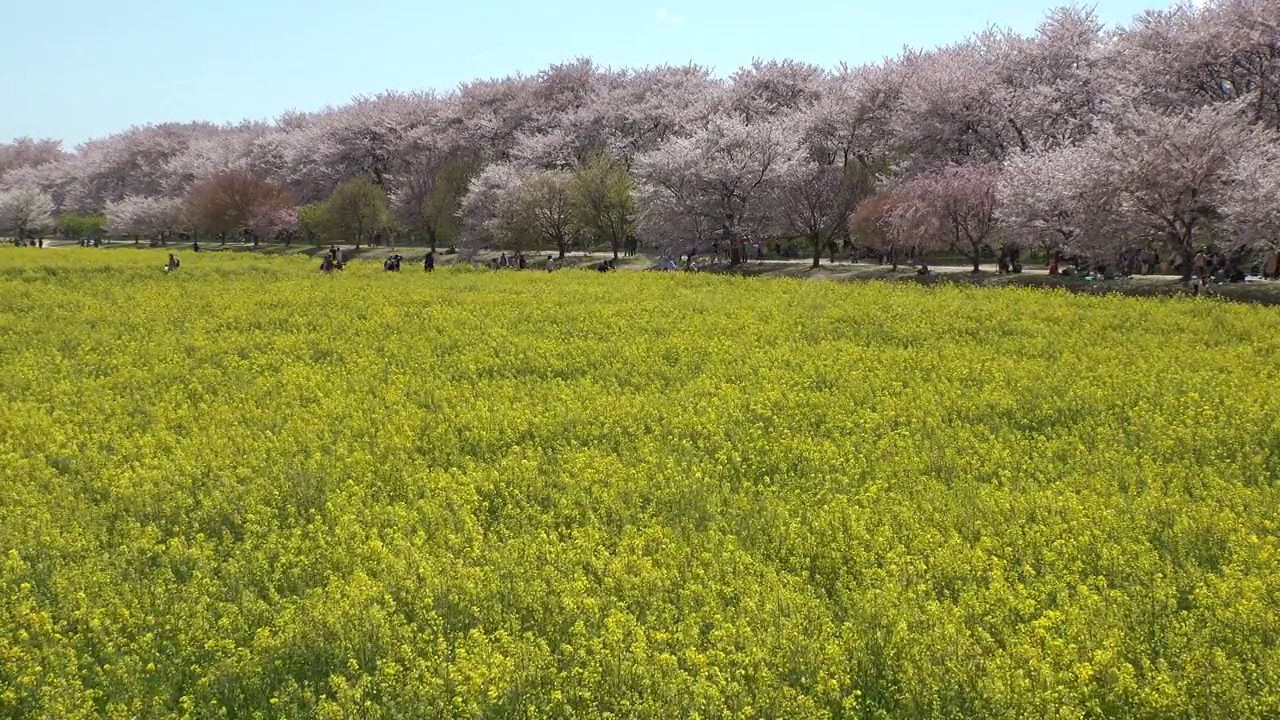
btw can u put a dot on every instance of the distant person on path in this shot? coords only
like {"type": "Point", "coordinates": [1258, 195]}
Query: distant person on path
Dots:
{"type": "Point", "coordinates": [1198, 264]}
{"type": "Point", "coordinates": [1053, 268]}
{"type": "Point", "coordinates": [551, 263]}
{"type": "Point", "coordinates": [195, 246]}
{"type": "Point", "coordinates": [520, 261]}
{"type": "Point", "coordinates": [429, 262]}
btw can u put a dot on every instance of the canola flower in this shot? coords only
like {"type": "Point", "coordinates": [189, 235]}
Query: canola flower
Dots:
{"type": "Point", "coordinates": [245, 489]}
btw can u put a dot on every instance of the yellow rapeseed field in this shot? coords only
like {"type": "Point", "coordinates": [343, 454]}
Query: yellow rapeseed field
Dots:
{"type": "Point", "coordinates": [248, 490]}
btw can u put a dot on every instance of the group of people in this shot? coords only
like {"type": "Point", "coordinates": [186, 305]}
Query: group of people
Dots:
{"type": "Point", "coordinates": [1011, 260]}
{"type": "Point", "coordinates": [332, 260]}
{"type": "Point", "coordinates": [28, 242]}
{"type": "Point", "coordinates": [515, 260]}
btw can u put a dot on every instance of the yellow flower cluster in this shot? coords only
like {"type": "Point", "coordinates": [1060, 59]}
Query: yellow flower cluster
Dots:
{"type": "Point", "coordinates": [246, 489]}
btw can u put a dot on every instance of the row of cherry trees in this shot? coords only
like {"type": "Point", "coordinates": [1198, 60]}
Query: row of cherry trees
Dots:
{"type": "Point", "coordinates": [1095, 141]}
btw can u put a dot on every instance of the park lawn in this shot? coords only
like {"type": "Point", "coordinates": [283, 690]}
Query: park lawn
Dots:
{"type": "Point", "coordinates": [246, 489]}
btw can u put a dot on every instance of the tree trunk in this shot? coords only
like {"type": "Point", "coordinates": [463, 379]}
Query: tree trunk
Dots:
{"type": "Point", "coordinates": [893, 259]}
{"type": "Point", "coordinates": [817, 251]}
{"type": "Point", "coordinates": [560, 245]}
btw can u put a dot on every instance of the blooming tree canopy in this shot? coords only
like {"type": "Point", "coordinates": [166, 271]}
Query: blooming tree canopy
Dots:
{"type": "Point", "coordinates": [25, 208]}
{"type": "Point", "coordinates": [1064, 114]}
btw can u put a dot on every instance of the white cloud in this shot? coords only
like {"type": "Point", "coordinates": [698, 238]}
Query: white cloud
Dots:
{"type": "Point", "coordinates": [665, 17]}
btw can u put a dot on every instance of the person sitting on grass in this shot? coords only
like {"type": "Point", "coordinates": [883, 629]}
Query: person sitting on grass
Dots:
{"type": "Point", "coordinates": [172, 264]}
{"type": "Point", "coordinates": [923, 269]}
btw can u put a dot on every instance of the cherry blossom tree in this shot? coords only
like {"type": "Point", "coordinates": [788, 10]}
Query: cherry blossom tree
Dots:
{"type": "Point", "coordinates": [724, 172]}
{"type": "Point", "coordinates": [277, 223]}
{"type": "Point", "coordinates": [135, 162]}
{"type": "Point", "coordinates": [361, 139]}
{"type": "Point", "coordinates": [151, 217]}
{"type": "Point", "coordinates": [842, 151]}
{"type": "Point", "coordinates": [1253, 201]}
{"type": "Point", "coordinates": [516, 206]}
{"type": "Point", "coordinates": [27, 152]}
{"type": "Point", "coordinates": [814, 200]}
{"type": "Point", "coordinates": [1189, 55]}
{"type": "Point", "coordinates": [676, 217]}
{"type": "Point", "coordinates": [1044, 198]}
{"type": "Point", "coordinates": [1173, 175]}
{"type": "Point", "coordinates": [883, 223]}
{"type": "Point", "coordinates": [768, 88]}
{"type": "Point", "coordinates": [999, 92]}
{"type": "Point", "coordinates": [852, 122]}
{"type": "Point", "coordinates": [953, 106]}
{"type": "Point", "coordinates": [485, 115]}
{"type": "Point", "coordinates": [24, 209]}
{"type": "Point", "coordinates": [955, 206]}
{"type": "Point", "coordinates": [639, 111]}
{"type": "Point", "coordinates": [219, 151]}
{"type": "Point", "coordinates": [490, 208]}
{"type": "Point", "coordinates": [1051, 83]}
{"type": "Point", "coordinates": [562, 90]}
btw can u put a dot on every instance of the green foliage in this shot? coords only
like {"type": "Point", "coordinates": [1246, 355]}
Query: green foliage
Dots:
{"type": "Point", "coordinates": [626, 495]}
{"type": "Point", "coordinates": [442, 224]}
{"type": "Point", "coordinates": [605, 200]}
{"type": "Point", "coordinates": [81, 227]}
{"type": "Point", "coordinates": [355, 212]}
{"type": "Point", "coordinates": [312, 223]}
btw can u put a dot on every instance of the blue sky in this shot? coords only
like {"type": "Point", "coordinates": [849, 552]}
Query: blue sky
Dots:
{"type": "Point", "coordinates": [84, 68]}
